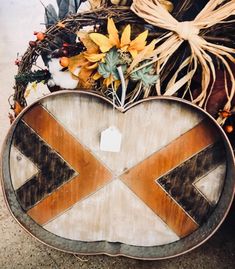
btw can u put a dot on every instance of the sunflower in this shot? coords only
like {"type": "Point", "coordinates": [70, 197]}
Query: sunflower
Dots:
{"type": "Point", "coordinates": [125, 44]}
{"type": "Point", "coordinates": [83, 65]}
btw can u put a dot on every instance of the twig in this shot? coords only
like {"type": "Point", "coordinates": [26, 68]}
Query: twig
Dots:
{"type": "Point", "coordinates": [136, 94]}
{"type": "Point", "coordinates": [80, 259]}
{"type": "Point", "coordinates": [115, 95]}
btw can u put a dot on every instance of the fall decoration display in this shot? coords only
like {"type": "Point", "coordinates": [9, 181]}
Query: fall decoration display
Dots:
{"type": "Point", "coordinates": [202, 51]}
{"type": "Point", "coordinates": [129, 50]}
{"type": "Point", "coordinates": [127, 156]}
{"type": "Point", "coordinates": [158, 190]}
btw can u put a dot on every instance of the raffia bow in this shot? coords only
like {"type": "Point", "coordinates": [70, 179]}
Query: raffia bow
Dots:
{"type": "Point", "coordinates": [215, 12]}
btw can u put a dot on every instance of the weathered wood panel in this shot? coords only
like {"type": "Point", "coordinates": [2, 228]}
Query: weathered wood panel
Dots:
{"type": "Point", "coordinates": [136, 225]}
{"type": "Point", "coordinates": [18, 162]}
{"type": "Point", "coordinates": [145, 128]}
{"type": "Point", "coordinates": [114, 196]}
{"type": "Point", "coordinates": [142, 178]}
{"type": "Point", "coordinates": [179, 182]}
{"type": "Point", "coordinates": [92, 175]}
{"type": "Point", "coordinates": [53, 170]}
{"type": "Point", "coordinates": [211, 185]}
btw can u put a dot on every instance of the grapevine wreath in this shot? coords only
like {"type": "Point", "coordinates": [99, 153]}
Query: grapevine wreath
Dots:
{"type": "Point", "coordinates": [129, 50]}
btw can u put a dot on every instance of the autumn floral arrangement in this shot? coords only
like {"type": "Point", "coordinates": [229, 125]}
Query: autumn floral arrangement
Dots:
{"type": "Point", "coordinates": [104, 63]}
{"type": "Point", "coordinates": [129, 50]}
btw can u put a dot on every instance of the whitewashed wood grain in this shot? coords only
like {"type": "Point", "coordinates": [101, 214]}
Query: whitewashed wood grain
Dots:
{"type": "Point", "coordinates": [145, 128]}
{"type": "Point", "coordinates": [22, 169]}
{"type": "Point", "coordinates": [115, 214]}
{"type": "Point", "coordinates": [211, 185]}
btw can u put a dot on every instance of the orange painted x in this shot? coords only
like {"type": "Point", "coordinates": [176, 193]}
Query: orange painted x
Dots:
{"type": "Point", "coordinates": [92, 176]}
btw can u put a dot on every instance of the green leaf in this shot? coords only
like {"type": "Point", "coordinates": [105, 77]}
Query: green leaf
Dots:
{"type": "Point", "coordinates": [145, 75]}
{"type": "Point", "coordinates": [112, 58]}
{"type": "Point", "coordinates": [103, 70]}
{"type": "Point", "coordinates": [112, 61]}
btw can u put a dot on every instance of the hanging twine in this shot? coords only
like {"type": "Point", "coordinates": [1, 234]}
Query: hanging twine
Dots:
{"type": "Point", "coordinates": [215, 12]}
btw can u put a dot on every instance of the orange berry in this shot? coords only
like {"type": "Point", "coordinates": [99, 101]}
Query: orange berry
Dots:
{"type": "Point", "coordinates": [229, 129]}
{"type": "Point", "coordinates": [64, 61]}
{"type": "Point", "coordinates": [40, 36]}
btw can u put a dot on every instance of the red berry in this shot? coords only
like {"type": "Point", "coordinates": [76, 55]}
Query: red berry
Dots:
{"type": "Point", "coordinates": [17, 62]}
{"type": "Point", "coordinates": [32, 44]}
{"type": "Point", "coordinates": [66, 45]}
{"type": "Point", "coordinates": [11, 117]}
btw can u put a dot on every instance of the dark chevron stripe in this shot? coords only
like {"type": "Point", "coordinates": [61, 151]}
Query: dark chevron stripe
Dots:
{"type": "Point", "coordinates": [54, 171]}
{"type": "Point", "coordinates": [179, 182]}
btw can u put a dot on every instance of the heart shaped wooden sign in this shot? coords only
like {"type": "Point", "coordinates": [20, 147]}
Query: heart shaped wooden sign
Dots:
{"type": "Point", "coordinates": [150, 182]}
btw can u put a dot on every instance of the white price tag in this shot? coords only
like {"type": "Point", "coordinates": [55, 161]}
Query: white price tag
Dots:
{"type": "Point", "coordinates": [111, 140]}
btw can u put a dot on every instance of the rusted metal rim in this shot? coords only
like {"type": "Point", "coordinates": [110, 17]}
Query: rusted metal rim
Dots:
{"type": "Point", "coordinates": [118, 249]}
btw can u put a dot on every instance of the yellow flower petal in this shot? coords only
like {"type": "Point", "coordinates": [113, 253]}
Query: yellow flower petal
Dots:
{"type": "Point", "coordinates": [97, 76]}
{"type": "Point", "coordinates": [133, 53]}
{"type": "Point", "coordinates": [140, 41]}
{"type": "Point", "coordinates": [102, 41]}
{"type": "Point", "coordinates": [92, 67]}
{"type": "Point", "coordinates": [94, 57]}
{"type": "Point", "coordinates": [113, 33]}
{"type": "Point", "coordinates": [117, 83]}
{"type": "Point", "coordinates": [108, 81]}
{"type": "Point", "coordinates": [87, 42]}
{"type": "Point", "coordinates": [84, 78]}
{"type": "Point", "coordinates": [126, 36]}
{"type": "Point", "coordinates": [150, 48]}
{"type": "Point", "coordinates": [146, 53]}
{"type": "Point", "coordinates": [76, 61]}
{"type": "Point", "coordinates": [125, 48]}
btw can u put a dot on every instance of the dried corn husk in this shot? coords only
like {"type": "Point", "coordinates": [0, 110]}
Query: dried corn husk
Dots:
{"type": "Point", "coordinates": [202, 51]}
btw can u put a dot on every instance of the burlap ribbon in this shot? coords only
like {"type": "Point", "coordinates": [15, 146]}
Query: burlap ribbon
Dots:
{"type": "Point", "coordinates": [215, 12]}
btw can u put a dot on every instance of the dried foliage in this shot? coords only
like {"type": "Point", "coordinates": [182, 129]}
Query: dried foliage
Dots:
{"type": "Point", "coordinates": [64, 30]}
